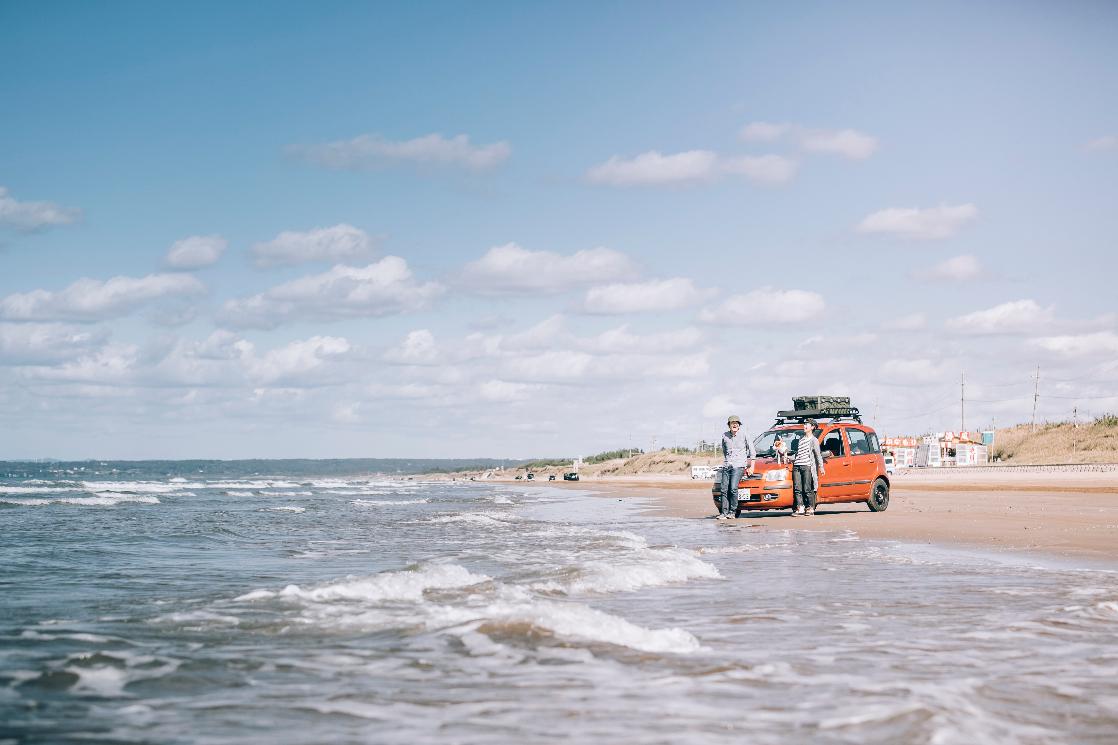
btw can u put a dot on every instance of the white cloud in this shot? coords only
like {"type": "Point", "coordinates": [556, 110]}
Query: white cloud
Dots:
{"type": "Point", "coordinates": [223, 345]}
{"type": "Point", "coordinates": [1106, 143]}
{"type": "Point", "coordinates": [1101, 343]}
{"type": "Point", "coordinates": [910, 322]}
{"type": "Point", "coordinates": [543, 335]}
{"type": "Point", "coordinates": [43, 343]}
{"type": "Point", "coordinates": [639, 297]}
{"type": "Point", "coordinates": [848, 143]}
{"type": "Point", "coordinates": [297, 363]}
{"type": "Point", "coordinates": [338, 243]}
{"type": "Point", "coordinates": [766, 305]}
{"type": "Point", "coordinates": [417, 348]}
{"type": "Point", "coordinates": [558, 365]}
{"type": "Point", "coordinates": [195, 252]}
{"type": "Point", "coordinates": [379, 289]}
{"type": "Point", "coordinates": [764, 131]}
{"type": "Point", "coordinates": [621, 340]}
{"type": "Point", "coordinates": [502, 391]}
{"type": "Point", "coordinates": [512, 269]}
{"type": "Point", "coordinates": [654, 168]}
{"type": "Point", "coordinates": [956, 269]}
{"type": "Point", "coordinates": [33, 215]}
{"type": "Point", "coordinates": [346, 413]}
{"type": "Point", "coordinates": [912, 222]}
{"type": "Point", "coordinates": [1016, 317]}
{"type": "Point", "coordinates": [94, 300]}
{"type": "Point", "coordinates": [762, 169]}
{"type": "Point", "coordinates": [373, 151]}
{"type": "Point", "coordinates": [723, 406]}
{"type": "Point", "coordinates": [113, 364]}
{"type": "Point", "coordinates": [915, 371]}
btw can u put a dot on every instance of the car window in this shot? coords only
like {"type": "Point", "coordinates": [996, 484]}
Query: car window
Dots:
{"type": "Point", "coordinates": [859, 443]}
{"type": "Point", "coordinates": [791, 437]}
{"type": "Point", "coordinates": [832, 443]}
{"type": "Point", "coordinates": [875, 446]}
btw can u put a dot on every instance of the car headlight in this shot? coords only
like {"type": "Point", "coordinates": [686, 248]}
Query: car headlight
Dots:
{"type": "Point", "coordinates": [778, 475]}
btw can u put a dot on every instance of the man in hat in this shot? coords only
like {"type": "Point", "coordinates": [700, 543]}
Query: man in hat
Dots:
{"type": "Point", "coordinates": [737, 458]}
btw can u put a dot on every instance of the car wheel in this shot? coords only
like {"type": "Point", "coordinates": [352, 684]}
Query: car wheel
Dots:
{"type": "Point", "coordinates": [737, 512]}
{"type": "Point", "coordinates": [879, 496]}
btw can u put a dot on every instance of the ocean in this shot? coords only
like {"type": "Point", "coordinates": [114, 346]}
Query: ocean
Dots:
{"type": "Point", "coordinates": [172, 604]}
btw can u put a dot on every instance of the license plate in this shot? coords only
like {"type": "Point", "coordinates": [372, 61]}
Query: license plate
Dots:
{"type": "Point", "coordinates": [743, 493]}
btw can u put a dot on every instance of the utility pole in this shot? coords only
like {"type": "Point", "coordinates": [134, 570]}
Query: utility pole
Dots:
{"type": "Point", "coordinates": [1036, 395]}
{"type": "Point", "coordinates": [963, 402]}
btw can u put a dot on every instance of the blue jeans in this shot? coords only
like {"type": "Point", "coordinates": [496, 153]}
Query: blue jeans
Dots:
{"type": "Point", "coordinates": [803, 496]}
{"type": "Point", "coordinates": [731, 475]}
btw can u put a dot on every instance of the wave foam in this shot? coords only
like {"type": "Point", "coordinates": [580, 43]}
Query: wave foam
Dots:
{"type": "Point", "coordinates": [407, 584]}
{"type": "Point", "coordinates": [517, 614]}
{"type": "Point", "coordinates": [135, 487]}
{"type": "Point", "coordinates": [642, 568]}
{"type": "Point", "coordinates": [101, 500]}
{"type": "Point", "coordinates": [387, 502]}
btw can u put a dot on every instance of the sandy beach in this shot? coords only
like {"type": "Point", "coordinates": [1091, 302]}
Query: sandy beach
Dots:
{"type": "Point", "coordinates": [1070, 514]}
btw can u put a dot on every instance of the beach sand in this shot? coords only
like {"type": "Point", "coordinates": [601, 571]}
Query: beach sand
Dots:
{"type": "Point", "coordinates": [1070, 515]}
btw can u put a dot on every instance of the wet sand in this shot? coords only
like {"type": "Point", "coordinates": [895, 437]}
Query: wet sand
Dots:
{"type": "Point", "coordinates": [1070, 515]}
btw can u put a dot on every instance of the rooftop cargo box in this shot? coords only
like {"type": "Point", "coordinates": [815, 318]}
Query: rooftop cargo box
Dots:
{"type": "Point", "coordinates": [834, 404]}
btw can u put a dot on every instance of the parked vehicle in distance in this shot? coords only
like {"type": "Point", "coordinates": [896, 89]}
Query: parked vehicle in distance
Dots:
{"type": "Point", "coordinates": [570, 476]}
{"type": "Point", "coordinates": [889, 463]}
{"type": "Point", "coordinates": [551, 477]}
{"type": "Point", "coordinates": [531, 476]}
{"type": "Point", "coordinates": [703, 472]}
{"type": "Point", "coordinates": [854, 463]}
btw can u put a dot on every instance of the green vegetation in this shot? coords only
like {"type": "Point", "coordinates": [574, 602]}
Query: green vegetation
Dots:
{"type": "Point", "coordinates": [612, 455]}
{"type": "Point", "coordinates": [546, 463]}
{"type": "Point", "coordinates": [1107, 420]}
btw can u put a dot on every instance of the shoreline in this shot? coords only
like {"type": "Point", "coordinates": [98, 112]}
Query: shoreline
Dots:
{"type": "Point", "coordinates": [1062, 515]}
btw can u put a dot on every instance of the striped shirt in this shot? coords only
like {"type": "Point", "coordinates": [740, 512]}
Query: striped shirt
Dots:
{"type": "Point", "coordinates": [807, 452]}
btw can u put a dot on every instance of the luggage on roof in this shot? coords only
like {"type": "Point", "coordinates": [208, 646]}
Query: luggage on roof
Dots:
{"type": "Point", "coordinates": [836, 404]}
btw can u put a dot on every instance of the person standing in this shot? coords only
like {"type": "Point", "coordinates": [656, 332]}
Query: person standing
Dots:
{"type": "Point", "coordinates": [737, 458]}
{"type": "Point", "coordinates": [807, 465]}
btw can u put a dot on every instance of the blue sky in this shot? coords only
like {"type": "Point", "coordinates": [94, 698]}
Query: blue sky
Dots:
{"type": "Point", "coordinates": [513, 230]}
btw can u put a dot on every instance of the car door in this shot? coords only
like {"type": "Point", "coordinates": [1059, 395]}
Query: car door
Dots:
{"type": "Point", "coordinates": [864, 455]}
{"type": "Point", "coordinates": [836, 482]}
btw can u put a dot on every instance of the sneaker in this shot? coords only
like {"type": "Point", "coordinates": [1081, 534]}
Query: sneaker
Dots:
{"type": "Point", "coordinates": [798, 511]}
{"type": "Point", "coordinates": [809, 513]}
{"type": "Point", "coordinates": [721, 517]}
{"type": "Point", "coordinates": [731, 517]}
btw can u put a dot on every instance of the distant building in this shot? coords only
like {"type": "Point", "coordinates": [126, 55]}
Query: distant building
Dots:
{"type": "Point", "coordinates": [947, 449]}
{"type": "Point", "coordinates": [903, 450]}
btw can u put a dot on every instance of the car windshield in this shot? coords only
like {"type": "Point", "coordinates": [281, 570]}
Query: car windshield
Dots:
{"type": "Point", "coordinates": [764, 443]}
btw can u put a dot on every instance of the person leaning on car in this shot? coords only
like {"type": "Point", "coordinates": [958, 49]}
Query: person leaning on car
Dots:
{"type": "Point", "coordinates": [807, 464]}
{"type": "Point", "coordinates": [737, 458]}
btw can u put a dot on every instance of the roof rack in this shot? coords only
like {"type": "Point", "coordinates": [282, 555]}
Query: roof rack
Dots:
{"type": "Point", "coordinates": [835, 413]}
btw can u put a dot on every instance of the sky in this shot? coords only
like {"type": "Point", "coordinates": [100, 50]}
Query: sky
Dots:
{"type": "Point", "coordinates": [514, 230]}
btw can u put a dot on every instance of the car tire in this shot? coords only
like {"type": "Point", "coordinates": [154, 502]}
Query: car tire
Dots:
{"type": "Point", "coordinates": [737, 512]}
{"type": "Point", "coordinates": [879, 496]}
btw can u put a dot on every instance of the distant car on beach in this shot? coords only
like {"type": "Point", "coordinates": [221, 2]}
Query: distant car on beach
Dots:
{"type": "Point", "coordinates": [851, 452]}
{"type": "Point", "coordinates": [703, 472]}
{"type": "Point", "coordinates": [571, 476]}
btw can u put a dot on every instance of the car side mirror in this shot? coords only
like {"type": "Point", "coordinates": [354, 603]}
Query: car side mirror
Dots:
{"type": "Point", "coordinates": [827, 454]}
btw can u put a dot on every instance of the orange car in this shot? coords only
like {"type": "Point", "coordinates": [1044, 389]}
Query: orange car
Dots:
{"type": "Point", "coordinates": [855, 465]}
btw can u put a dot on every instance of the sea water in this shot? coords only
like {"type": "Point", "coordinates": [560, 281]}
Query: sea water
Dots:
{"type": "Point", "coordinates": [177, 607]}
